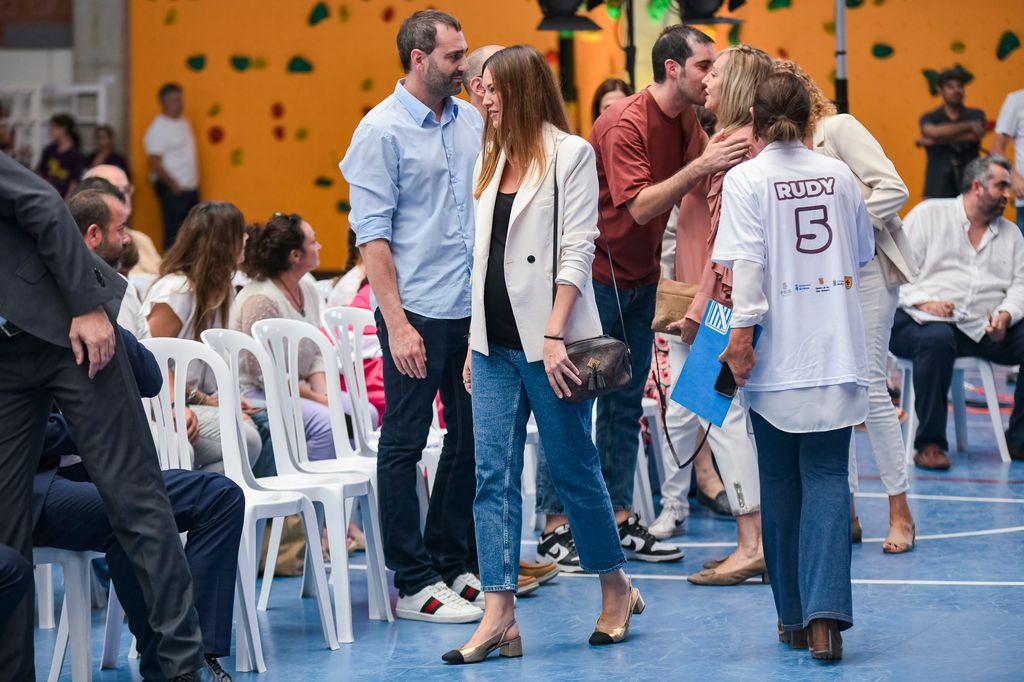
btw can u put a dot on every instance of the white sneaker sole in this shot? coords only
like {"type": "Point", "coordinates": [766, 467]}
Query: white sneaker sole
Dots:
{"type": "Point", "coordinates": [654, 559]}
{"type": "Point", "coordinates": [666, 534]}
{"type": "Point", "coordinates": [470, 617]}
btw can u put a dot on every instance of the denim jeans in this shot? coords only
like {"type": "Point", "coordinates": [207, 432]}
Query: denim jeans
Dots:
{"type": "Point", "coordinates": [442, 550]}
{"type": "Point", "coordinates": [934, 347]}
{"type": "Point", "coordinates": [617, 432]}
{"type": "Point", "coordinates": [805, 522]}
{"type": "Point", "coordinates": [506, 388]}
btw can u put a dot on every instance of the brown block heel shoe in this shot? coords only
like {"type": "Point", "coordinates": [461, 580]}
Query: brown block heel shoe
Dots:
{"type": "Point", "coordinates": [826, 642]}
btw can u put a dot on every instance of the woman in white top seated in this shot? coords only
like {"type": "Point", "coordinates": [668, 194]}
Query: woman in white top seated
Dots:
{"type": "Point", "coordinates": [518, 362]}
{"type": "Point", "coordinates": [795, 231]}
{"type": "Point", "coordinates": [278, 256]}
{"type": "Point", "coordinates": [193, 294]}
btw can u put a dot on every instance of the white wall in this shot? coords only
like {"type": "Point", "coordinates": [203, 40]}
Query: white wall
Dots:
{"type": "Point", "coordinates": [35, 67]}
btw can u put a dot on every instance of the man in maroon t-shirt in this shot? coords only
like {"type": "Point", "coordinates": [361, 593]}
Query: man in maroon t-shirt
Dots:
{"type": "Point", "coordinates": [650, 152]}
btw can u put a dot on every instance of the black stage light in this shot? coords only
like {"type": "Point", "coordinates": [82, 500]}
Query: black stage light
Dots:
{"type": "Point", "coordinates": [703, 11]}
{"type": "Point", "coordinates": [560, 15]}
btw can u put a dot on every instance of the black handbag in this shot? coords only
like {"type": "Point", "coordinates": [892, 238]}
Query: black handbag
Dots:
{"type": "Point", "coordinates": [603, 361]}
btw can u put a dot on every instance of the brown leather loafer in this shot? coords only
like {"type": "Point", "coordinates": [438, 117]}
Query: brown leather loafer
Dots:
{"type": "Point", "coordinates": [931, 457]}
{"type": "Point", "coordinates": [541, 572]}
{"type": "Point", "coordinates": [826, 642]}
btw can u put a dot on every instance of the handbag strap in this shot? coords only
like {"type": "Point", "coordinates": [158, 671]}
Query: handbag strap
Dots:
{"type": "Point", "coordinates": [555, 242]}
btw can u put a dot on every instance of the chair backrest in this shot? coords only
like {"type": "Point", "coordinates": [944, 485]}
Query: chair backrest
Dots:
{"type": "Point", "coordinates": [168, 408]}
{"type": "Point", "coordinates": [324, 287]}
{"type": "Point", "coordinates": [230, 344]}
{"type": "Point", "coordinates": [347, 328]}
{"type": "Point", "coordinates": [280, 339]}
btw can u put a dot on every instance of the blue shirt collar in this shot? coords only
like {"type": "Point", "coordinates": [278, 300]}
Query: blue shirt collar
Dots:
{"type": "Point", "coordinates": [420, 112]}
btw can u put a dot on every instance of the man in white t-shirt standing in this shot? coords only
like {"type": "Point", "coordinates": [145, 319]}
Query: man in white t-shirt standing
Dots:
{"type": "Point", "coordinates": [1010, 128]}
{"type": "Point", "coordinates": [171, 151]}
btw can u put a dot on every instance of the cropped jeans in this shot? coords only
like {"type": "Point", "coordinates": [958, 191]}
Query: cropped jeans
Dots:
{"type": "Point", "coordinates": [506, 389]}
{"type": "Point", "coordinates": [805, 522]}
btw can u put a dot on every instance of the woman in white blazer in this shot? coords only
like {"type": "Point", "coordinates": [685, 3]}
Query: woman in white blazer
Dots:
{"type": "Point", "coordinates": [518, 363]}
{"type": "Point", "coordinates": [842, 137]}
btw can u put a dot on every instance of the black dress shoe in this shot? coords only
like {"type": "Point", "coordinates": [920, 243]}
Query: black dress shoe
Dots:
{"type": "Point", "coordinates": [719, 505]}
{"type": "Point", "coordinates": [218, 673]}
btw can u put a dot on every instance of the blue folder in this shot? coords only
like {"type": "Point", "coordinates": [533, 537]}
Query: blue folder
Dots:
{"type": "Point", "coordinates": [695, 389]}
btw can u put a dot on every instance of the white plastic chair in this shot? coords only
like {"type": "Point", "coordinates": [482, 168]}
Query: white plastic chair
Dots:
{"type": "Point", "coordinates": [168, 409]}
{"type": "Point", "coordinates": [332, 489]}
{"type": "Point", "coordinates": [988, 382]}
{"type": "Point", "coordinates": [324, 287]}
{"type": "Point", "coordinates": [75, 623]}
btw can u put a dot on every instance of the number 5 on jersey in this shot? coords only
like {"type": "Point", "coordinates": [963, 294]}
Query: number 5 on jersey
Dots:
{"type": "Point", "coordinates": [813, 233]}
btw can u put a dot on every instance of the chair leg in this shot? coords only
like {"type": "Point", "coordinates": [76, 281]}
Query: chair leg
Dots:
{"type": "Point", "coordinates": [988, 381]}
{"type": "Point", "coordinates": [276, 528]}
{"type": "Point", "coordinates": [315, 565]}
{"type": "Point", "coordinates": [249, 648]}
{"type": "Point", "coordinates": [337, 533]}
{"type": "Point", "coordinates": [60, 646]}
{"type": "Point", "coordinates": [910, 426]}
{"type": "Point", "coordinates": [44, 589]}
{"type": "Point", "coordinates": [643, 497]}
{"type": "Point", "coordinates": [308, 586]}
{"type": "Point", "coordinates": [376, 572]}
{"type": "Point", "coordinates": [956, 388]}
{"type": "Point", "coordinates": [79, 616]}
{"type": "Point", "coordinates": [112, 634]}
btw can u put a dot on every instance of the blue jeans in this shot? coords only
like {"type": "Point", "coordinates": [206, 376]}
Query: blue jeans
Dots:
{"type": "Point", "coordinates": [805, 522]}
{"type": "Point", "coordinates": [506, 388]}
{"type": "Point", "coordinates": [442, 550]}
{"type": "Point", "coordinates": [618, 414]}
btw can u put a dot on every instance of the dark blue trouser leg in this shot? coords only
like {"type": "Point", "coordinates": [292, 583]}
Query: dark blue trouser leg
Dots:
{"type": "Point", "coordinates": [15, 580]}
{"type": "Point", "coordinates": [933, 348]}
{"type": "Point", "coordinates": [1009, 351]}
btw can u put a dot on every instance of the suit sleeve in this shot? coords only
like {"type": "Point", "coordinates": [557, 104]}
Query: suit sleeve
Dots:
{"type": "Point", "coordinates": [30, 206]}
{"type": "Point", "coordinates": [144, 365]}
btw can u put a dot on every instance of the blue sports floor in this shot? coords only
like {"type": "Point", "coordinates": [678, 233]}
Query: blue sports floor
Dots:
{"type": "Point", "coordinates": [953, 609]}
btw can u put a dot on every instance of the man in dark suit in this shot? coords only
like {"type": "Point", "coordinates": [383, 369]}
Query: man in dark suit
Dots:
{"type": "Point", "coordinates": [68, 513]}
{"type": "Point", "coordinates": [57, 343]}
{"type": "Point", "coordinates": [15, 580]}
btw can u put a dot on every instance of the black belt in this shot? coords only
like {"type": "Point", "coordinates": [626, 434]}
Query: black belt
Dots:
{"type": "Point", "coordinates": [9, 330]}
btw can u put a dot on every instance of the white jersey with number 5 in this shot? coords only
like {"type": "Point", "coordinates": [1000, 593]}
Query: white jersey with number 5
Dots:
{"type": "Point", "coordinates": [802, 217]}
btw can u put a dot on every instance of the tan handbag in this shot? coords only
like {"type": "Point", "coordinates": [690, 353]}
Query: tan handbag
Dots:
{"type": "Point", "coordinates": [672, 301]}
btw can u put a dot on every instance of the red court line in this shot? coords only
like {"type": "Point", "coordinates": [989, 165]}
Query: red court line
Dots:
{"type": "Point", "coordinates": [953, 479]}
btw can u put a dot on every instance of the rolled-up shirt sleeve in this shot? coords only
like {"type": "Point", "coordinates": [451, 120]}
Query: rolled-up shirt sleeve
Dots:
{"type": "Point", "coordinates": [1013, 302]}
{"type": "Point", "coordinates": [371, 169]}
{"type": "Point", "coordinates": [579, 221]}
{"type": "Point", "coordinates": [749, 303]}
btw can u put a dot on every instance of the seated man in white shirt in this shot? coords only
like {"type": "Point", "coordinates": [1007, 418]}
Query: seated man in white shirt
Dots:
{"type": "Point", "coordinates": [967, 300]}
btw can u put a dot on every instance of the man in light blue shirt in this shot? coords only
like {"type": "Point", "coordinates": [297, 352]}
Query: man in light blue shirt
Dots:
{"type": "Point", "coordinates": [410, 173]}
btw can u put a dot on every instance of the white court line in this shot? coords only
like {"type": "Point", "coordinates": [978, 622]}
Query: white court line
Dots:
{"type": "Point", "coordinates": [964, 534]}
{"type": "Point", "coordinates": [951, 498]}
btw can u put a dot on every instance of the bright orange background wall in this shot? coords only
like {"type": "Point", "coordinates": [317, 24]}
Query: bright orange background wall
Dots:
{"type": "Point", "coordinates": [355, 65]}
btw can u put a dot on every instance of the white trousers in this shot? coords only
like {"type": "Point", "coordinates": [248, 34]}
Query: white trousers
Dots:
{"type": "Point", "coordinates": [878, 303]}
{"type": "Point", "coordinates": [732, 446]}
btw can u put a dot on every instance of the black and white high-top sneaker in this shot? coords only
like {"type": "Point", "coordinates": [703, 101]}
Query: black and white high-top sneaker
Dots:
{"type": "Point", "coordinates": [638, 543]}
{"type": "Point", "coordinates": [558, 546]}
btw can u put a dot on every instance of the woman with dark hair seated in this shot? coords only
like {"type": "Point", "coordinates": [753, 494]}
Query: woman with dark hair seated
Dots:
{"type": "Point", "coordinates": [610, 91]}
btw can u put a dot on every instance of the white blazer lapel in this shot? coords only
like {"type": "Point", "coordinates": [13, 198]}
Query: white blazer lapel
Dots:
{"type": "Point", "coordinates": [531, 185]}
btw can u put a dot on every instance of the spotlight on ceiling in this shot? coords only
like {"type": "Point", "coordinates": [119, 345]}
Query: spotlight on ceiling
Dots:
{"type": "Point", "coordinates": [560, 15]}
{"type": "Point", "coordinates": [703, 11]}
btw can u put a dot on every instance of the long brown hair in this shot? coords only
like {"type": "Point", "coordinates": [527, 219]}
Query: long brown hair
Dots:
{"type": "Point", "coordinates": [529, 99]}
{"type": "Point", "coordinates": [206, 252]}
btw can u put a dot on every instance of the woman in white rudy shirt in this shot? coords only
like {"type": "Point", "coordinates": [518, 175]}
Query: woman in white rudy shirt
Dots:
{"type": "Point", "coordinates": [795, 231]}
{"type": "Point", "coordinates": [518, 362]}
{"type": "Point", "coordinates": [842, 137]}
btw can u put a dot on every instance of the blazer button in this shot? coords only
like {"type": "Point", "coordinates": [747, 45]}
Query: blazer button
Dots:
{"type": "Point", "coordinates": [530, 259]}
{"type": "Point", "coordinates": [99, 277]}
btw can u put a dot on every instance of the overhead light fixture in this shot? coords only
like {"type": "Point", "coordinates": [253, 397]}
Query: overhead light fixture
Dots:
{"type": "Point", "coordinates": [703, 11]}
{"type": "Point", "coordinates": [560, 15]}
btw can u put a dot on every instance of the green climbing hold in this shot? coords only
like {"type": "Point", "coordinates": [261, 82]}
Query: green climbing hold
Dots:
{"type": "Point", "coordinates": [957, 46]}
{"type": "Point", "coordinates": [881, 51]}
{"type": "Point", "coordinates": [239, 62]}
{"type": "Point", "coordinates": [214, 109]}
{"type": "Point", "coordinates": [343, 206]}
{"type": "Point", "coordinates": [366, 85]}
{"type": "Point", "coordinates": [299, 65]}
{"type": "Point", "coordinates": [196, 62]}
{"type": "Point", "coordinates": [614, 11]}
{"type": "Point", "coordinates": [854, 4]}
{"type": "Point", "coordinates": [172, 17]}
{"type": "Point", "coordinates": [301, 134]}
{"type": "Point", "coordinates": [830, 27]}
{"type": "Point", "coordinates": [1008, 42]}
{"type": "Point", "coordinates": [779, 4]}
{"type": "Point", "coordinates": [318, 14]}
{"type": "Point", "coordinates": [236, 156]}
{"type": "Point", "coordinates": [932, 76]}
{"type": "Point", "coordinates": [323, 181]}
{"type": "Point", "coordinates": [734, 34]}
{"type": "Point", "coordinates": [343, 13]}
{"type": "Point", "coordinates": [259, 63]}
{"type": "Point", "coordinates": [656, 9]}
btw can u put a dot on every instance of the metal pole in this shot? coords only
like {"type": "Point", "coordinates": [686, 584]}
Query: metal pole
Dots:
{"type": "Point", "coordinates": [842, 96]}
{"type": "Point", "coordinates": [567, 76]}
{"type": "Point", "coordinates": [630, 45]}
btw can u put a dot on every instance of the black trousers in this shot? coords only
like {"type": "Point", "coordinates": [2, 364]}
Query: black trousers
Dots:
{"type": "Point", "coordinates": [15, 580]}
{"type": "Point", "coordinates": [208, 506]}
{"type": "Point", "coordinates": [108, 423]}
{"type": "Point", "coordinates": [934, 347]}
{"type": "Point", "coordinates": [173, 209]}
{"type": "Point", "coordinates": [442, 551]}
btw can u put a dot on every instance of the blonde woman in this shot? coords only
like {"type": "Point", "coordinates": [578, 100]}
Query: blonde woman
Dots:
{"type": "Point", "coordinates": [730, 87]}
{"type": "Point", "coordinates": [518, 362]}
{"type": "Point", "coordinates": [842, 137]}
